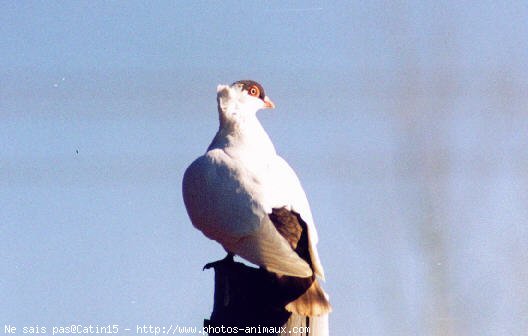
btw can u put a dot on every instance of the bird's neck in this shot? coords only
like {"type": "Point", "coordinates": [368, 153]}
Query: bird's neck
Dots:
{"type": "Point", "coordinates": [243, 135]}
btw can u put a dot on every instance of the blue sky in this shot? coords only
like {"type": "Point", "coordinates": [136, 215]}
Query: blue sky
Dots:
{"type": "Point", "coordinates": [104, 104]}
{"type": "Point", "coordinates": [170, 35]}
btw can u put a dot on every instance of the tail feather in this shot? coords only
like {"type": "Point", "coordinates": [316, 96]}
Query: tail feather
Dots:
{"type": "Point", "coordinates": [313, 302]}
{"type": "Point", "coordinates": [308, 303]}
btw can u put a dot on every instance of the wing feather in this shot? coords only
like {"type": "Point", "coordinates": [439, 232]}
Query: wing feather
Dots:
{"type": "Point", "coordinates": [288, 192]}
{"type": "Point", "coordinates": [227, 206]}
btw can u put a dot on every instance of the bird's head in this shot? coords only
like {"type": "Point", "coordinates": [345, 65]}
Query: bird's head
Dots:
{"type": "Point", "coordinates": [241, 99]}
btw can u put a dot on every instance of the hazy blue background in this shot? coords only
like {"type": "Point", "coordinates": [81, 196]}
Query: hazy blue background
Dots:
{"type": "Point", "coordinates": [407, 123]}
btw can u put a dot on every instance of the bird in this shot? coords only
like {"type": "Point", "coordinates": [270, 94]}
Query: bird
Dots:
{"type": "Point", "coordinates": [246, 197]}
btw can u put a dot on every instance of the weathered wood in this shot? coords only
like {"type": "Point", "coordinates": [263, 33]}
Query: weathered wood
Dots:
{"type": "Point", "coordinates": [248, 297]}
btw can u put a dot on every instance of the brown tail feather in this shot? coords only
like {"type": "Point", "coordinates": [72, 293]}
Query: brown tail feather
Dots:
{"type": "Point", "coordinates": [313, 302]}
{"type": "Point", "coordinates": [310, 298]}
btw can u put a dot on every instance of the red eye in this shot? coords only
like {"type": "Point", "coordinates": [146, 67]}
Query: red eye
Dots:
{"type": "Point", "coordinates": [254, 91]}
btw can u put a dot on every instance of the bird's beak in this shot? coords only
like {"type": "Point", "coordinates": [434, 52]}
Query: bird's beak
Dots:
{"type": "Point", "coordinates": [268, 104]}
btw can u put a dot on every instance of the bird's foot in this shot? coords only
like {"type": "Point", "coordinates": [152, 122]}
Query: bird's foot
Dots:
{"type": "Point", "coordinates": [228, 259]}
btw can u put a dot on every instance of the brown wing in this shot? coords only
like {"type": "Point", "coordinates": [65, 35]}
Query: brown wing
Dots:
{"type": "Point", "coordinates": [307, 297]}
{"type": "Point", "coordinates": [291, 226]}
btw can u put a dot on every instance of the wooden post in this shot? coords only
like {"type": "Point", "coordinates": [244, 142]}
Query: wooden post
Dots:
{"type": "Point", "coordinates": [247, 297]}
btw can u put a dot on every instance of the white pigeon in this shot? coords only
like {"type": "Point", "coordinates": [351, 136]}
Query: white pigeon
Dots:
{"type": "Point", "coordinates": [246, 197]}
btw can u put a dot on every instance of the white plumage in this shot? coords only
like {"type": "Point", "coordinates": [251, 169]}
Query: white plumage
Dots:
{"type": "Point", "coordinates": [231, 190]}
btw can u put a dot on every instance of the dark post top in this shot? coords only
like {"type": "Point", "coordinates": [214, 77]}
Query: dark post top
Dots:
{"type": "Point", "coordinates": [247, 297]}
